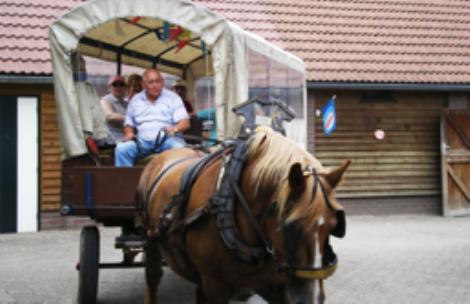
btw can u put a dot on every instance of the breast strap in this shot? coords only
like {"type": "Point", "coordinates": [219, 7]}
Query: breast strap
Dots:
{"type": "Point", "coordinates": [172, 221]}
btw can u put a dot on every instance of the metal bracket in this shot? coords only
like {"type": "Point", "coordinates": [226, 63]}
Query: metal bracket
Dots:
{"type": "Point", "coordinates": [275, 110]}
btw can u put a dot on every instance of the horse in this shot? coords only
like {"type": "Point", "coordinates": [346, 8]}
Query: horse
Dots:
{"type": "Point", "coordinates": [284, 205]}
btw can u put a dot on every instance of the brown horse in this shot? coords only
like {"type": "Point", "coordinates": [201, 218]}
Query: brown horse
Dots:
{"type": "Point", "coordinates": [290, 198]}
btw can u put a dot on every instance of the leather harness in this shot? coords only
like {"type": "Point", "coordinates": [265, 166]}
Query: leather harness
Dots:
{"type": "Point", "coordinates": [222, 204]}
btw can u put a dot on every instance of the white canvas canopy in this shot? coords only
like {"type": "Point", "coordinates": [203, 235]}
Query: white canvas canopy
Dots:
{"type": "Point", "coordinates": [127, 31]}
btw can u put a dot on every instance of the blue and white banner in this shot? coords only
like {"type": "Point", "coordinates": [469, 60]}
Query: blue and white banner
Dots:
{"type": "Point", "coordinates": [329, 116]}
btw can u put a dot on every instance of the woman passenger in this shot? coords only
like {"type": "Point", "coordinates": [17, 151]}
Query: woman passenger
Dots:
{"type": "Point", "coordinates": [134, 85]}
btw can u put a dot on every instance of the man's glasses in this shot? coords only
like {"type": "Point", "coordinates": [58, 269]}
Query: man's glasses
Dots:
{"type": "Point", "coordinates": [118, 84]}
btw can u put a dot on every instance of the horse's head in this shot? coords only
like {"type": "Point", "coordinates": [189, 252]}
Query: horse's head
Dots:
{"type": "Point", "coordinates": [307, 214]}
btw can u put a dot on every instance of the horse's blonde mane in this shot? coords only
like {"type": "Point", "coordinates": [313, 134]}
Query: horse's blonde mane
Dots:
{"type": "Point", "coordinates": [275, 154]}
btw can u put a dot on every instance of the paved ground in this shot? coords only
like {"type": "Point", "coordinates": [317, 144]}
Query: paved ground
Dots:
{"type": "Point", "coordinates": [406, 259]}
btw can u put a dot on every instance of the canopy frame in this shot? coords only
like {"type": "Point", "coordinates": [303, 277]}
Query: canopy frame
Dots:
{"type": "Point", "coordinates": [226, 45]}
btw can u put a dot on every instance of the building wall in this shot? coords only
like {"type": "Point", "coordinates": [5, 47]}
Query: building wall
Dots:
{"type": "Point", "coordinates": [49, 156]}
{"type": "Point", "coordinates": [398, 174]}
{"type": "Point", "coordinates": [50, 153]}
{"type": "Point", "coordinates": [51, 169]}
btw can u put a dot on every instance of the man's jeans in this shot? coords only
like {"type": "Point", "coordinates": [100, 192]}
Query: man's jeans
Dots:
{"type": "Point", "coordinates": [127, 152]}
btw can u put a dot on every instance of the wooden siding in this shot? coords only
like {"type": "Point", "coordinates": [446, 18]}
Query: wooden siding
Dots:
{"type": "Point", "coordinates": [405, 163]}
{"type": "Point", "coordinates": [50, 154]}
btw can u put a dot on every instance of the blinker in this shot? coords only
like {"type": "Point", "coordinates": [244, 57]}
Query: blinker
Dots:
{"type": "Point", "coordinates": [340, 228]}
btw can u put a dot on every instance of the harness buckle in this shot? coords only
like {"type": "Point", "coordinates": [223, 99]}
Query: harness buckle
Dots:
{"type": "Point", "coordinates": [270, 250]}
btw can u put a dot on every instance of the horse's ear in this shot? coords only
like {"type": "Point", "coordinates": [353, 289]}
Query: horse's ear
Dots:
{"type": "Point", "coordinates": [334, 177]}
{"type": "Point", "coordinates": [296, 179]}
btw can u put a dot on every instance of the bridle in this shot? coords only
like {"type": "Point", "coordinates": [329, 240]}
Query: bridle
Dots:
{"type": "Point", "coordinates": [293, 235]}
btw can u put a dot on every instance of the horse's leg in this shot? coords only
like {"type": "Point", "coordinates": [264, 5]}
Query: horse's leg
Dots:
{"type": "Point", "coordinates": [153, 271]}
{"type": "Point", "coordinates": [215, 291]}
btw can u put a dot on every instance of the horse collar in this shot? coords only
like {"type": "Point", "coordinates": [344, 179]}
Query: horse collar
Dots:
{"type": "Point", "coordinates": [223, 205]}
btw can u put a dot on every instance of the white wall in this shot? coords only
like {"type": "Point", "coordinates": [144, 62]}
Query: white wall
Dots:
{"type": "Point", "coordinates": [28, 171]}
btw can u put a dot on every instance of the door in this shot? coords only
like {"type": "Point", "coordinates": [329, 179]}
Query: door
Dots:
{"type": "Point", "coordinates": [455, 153]}
{"type": "Point", "coordinates": [27, 164]}
{"type": "Point", "coordinates": [8, 161]}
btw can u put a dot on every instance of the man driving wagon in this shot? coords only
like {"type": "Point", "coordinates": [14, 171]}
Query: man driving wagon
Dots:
{"type": "Point", "coordinates": [158, 115]}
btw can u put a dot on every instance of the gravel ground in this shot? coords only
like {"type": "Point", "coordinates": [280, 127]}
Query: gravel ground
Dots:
{"type": "Point", "coordinates": [396, 259]}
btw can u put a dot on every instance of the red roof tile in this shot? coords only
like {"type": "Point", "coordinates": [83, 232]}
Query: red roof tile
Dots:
{"type": "Point", "coordinates": [24, 45]}
{"type": "Point", "coordinates": [340, 40]}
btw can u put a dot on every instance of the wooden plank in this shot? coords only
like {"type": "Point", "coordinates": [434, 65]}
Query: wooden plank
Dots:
{"type": "Point", "coordinates": [49, 111]}
{"type": "Point", "coordinates": [51, 147]}
{"type": "Point", "coordinates": [51, 158]}
{"type": "Point", "coordinates": [51, 182]}
{"type": "Point", "coordinates": [462, 187]}
{"type": "Point", "coordinates": [50, 136]}
{"type": "Point", "coordinates": [458, 130]}
{"type": "Point", "coordinates": [354, 154]}
{"type": "Point", "coordinates": [51, 198]}
{"type": "Point", "coordinates": [51, 166]}
{"type": "Point", "coordinates": [394, 148]}
{"type": "Point", "coordinates": [53, 174]}
{"type": "Point", "coordinates": [400, 125]}
{"type": "Point", "coordinates": [50, 125]}
{"type": "Point", "coordinates": [387, 186]}
{"type": "Point", "coordinates": [403, 107]}
{"type": "Point", "coordinates": [50, 207]}
{"type": "Point", "coordinates": [391, 181]}
{"type": "Point", "coordinates": [48, 191]}
{"type": "Point", "coordinates": [388, 194]}
{"type": "Point", "coordinates": [370, 140]}
{"type": "Point", "coordinates": [463, 160]}
{"type": "Point", "coordinates": [444, 165]}
{"type": "Point", "coordinates": [361, 174]}
{"type": "Point", "coordinates": [332, 162]}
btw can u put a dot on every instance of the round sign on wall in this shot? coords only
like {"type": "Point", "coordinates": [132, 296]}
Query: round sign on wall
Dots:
{"type": "Point", "coordinates": [379, 134]}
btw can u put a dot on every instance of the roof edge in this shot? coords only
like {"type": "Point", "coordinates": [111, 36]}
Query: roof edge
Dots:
{"type": "Point", "coordinates": [26, 79]}
{"type": "Point", "coordinates": [320, 85]}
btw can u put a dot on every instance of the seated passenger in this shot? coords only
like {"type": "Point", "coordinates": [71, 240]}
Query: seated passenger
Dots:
{"type": "Point", "coordinates": [158, 115]}
{"type": "Point", "coordinates": [180, 88]}
{"type": "Point", "coordinates": [134, 85]}
{"type": "Point", "coordinates": [114, 107]}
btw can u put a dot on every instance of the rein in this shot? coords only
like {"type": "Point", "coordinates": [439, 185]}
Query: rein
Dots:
{"type": "Point", "coordinates": [266, 243]}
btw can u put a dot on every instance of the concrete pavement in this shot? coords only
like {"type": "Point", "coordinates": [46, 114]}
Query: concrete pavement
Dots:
{"type": "Point", "coordinates": [397, 259]}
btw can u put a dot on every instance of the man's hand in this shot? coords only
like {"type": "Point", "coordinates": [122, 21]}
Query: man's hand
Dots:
{"type": "Point", "coordinates": [128, 133]}
{"type": "Point", "coordinates": [171, 130]}
{"type": "Point", "coordinates": [181, 126]}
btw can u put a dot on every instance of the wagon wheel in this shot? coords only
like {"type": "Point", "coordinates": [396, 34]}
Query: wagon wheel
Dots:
{"type": "Point", "coordinates": [89, 260]}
